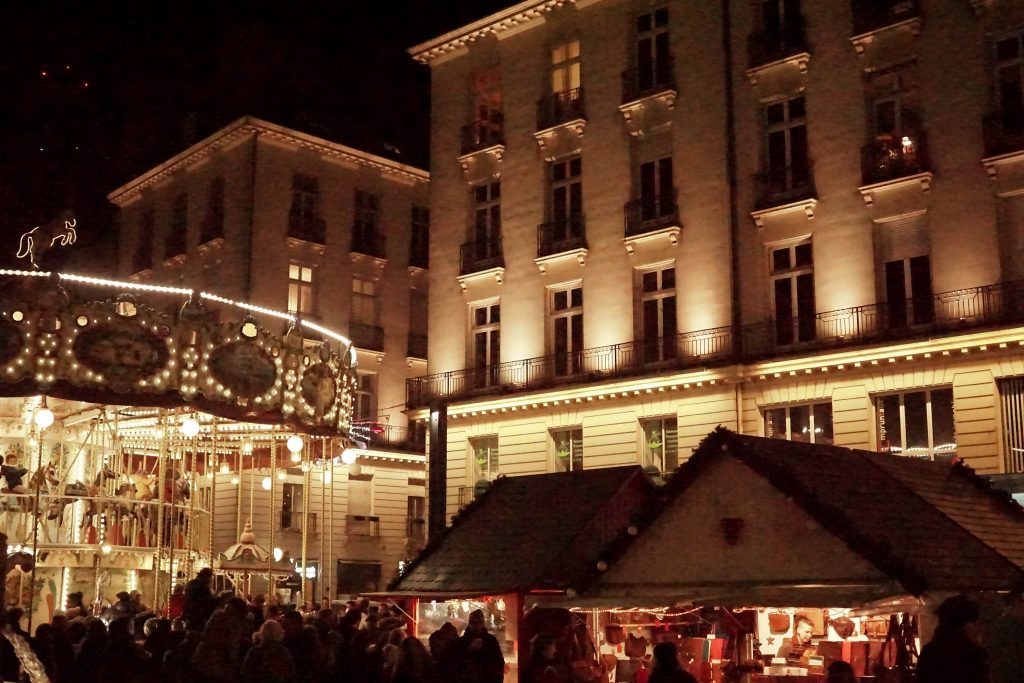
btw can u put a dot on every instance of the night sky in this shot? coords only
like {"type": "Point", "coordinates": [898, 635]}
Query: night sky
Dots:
{"type": "Point", "coordinates": [96, 93]}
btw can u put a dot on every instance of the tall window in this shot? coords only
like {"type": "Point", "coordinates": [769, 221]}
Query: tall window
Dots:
{"type": "Point", "coordinates": [1010, 82]}
{"type": "Point", "coordinates": [565, 67]}
{"type": "Point", "coordinates": [213, 220]}
{"type": "Point", "coordinates": [419, 242]}
{"type": "Point", "coordinates": [894, 103]}
{"type": "Point", "coordinates": [365, 309]}
{"type": "Point", "coordinates": [484, 451]}
{"type": "Point", "coordinates": [300, 290]}
{"type": "Point", "coordinates": [418, 310]}
{"type": "Point", "coordinates": [1011, 396]}
{"type": "Point", "coordinates": [653, 63]}
{"type": "Point", "coordinates": [567, 329]}
{"type": "Point", "coordinates": [779, 15]}
{"type": "Point", "coordinates": [658, 314]}
{"type": "Point", "coordinates": [486, 339]}
{"type": "Point", "coordinates": [291, 506]}
{"type": "Point", "coordinates": [661, 443]}
{"type": "Point", "coordinates": [792, 274]}
{"type": "Point", "coordinates": [902, 247]}
{"type": "Point", "coordinates": [487, 220]}
{"type": "Point", "coordinates": [917, 423]}
{"type": "Point", "coordinates": [566, 203]}
{"type": "Point", "coordinates": [143, 257]}
{"type": "Point", "coordinates": [568, 445]}
{"type": "Point", "coordinates": [365, 398]}
{"type": "Point", "coordinates": [304, 216]}
{"type": "Point", "coordinates": [657, 189]}
{"type": "Point", "coordinates": [364, 227]}
{"type": "Point", "coordinates": [808, 423]}
{"type": "Point", "coordinates": [174, 245]}
{"type": "Point", "coordinates": [488, 120]}
{"type": "Point", "coordinates": [788, 167]}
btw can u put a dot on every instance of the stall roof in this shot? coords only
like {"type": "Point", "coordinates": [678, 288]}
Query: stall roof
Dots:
{"type": "Point", "coordinates": [539, 532]}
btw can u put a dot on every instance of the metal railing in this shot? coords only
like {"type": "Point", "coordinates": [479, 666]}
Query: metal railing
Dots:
{"type": "Point", "coordinates": [363, 525]}
{"type": "Point", "coordinates": [369, 243]}
{"type": "Point", "coordinates": [417, 345]}
{"type": "Point", "coordinates": [291, 520]}
{"type": "Point", "coordinates": [467, 494]}
{"type": "Point", "coordinates": [1002, 135]}
{"type": "Point", "coordinates": [481, 135]}
{"type": "Point", "coordinates": [307, 228]}
{"type": "Point", "coordinates": [416, 529]}
{"type": "Point", "coordinates": [946, 312]}
{"type": "Point", "coordinates": [768, 45]}
{"type": "Point", "coordinates": [381, 435]}
{"type": "Point", "coordinates": [651, 213]}
{"type": "Point", "coordinates": [895, 157]}
{"type": "Point", "coordinates": [871, 15]}
{"type": "Point", "coordinates": [559, 107]}
{"type": "Point", "coordinates": [638, 83]}
{"type": "Point", "coordinates": [563, 235]}
{"type": "Point", "coordinates": [477, 256]}
{"type": "Point", "coordinates": [783, 186]}
{"type": "Point", "coordinates": [365, 336]}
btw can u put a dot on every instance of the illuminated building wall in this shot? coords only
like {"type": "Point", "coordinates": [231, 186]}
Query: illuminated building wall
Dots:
{"type": "Point", "coordinates": [879, 223]}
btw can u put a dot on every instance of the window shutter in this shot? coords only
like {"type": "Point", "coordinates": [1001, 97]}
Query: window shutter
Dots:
{"type": "Point", "coordinates": [903, 238]}
{"type": "Point", "coordinates": [1011, 394]}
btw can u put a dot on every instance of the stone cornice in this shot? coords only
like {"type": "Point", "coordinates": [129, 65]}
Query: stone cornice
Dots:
{"type": "Point", "coordinates": [249, 126]}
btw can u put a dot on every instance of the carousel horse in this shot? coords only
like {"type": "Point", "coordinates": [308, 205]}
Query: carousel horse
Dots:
{"type": "Point", "coordinates": [142, 490]}
{"type": "Point", "coordinates": [39, 239]}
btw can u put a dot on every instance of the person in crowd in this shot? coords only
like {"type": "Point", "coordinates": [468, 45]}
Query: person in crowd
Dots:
{"type": "Point", "coordinates": [268, 661]}
{"type": "Point", "coordinates": [74, 607]}
{"type": "Point", "coordinates": [157, 638]}
{"type": "Point", "coordinates": [479, 658]}
{"type": "Point", "coordinates": [199, 601]}
{"type": "Point", "coordinates": [414, 664]}
{"type": "Point", "coordinates": [797, 650]}
{"type": "Point", "coordinates": [444, 644]}
{"type": "Point", "coordinates": [178, 660]}
{"type": "Point", "coordinates": [125, 660]}
{"type": "Point", "coordinates": [92, 653]}
{"type": "Point", "coordinates": [123, 607]}
{"type": "Point", "coordinates": [256, 608]}
{"type": "Point", "coordinates": [955, 653]}
{"type": "Point", "coordinates": [390, 645]}
{"type": "Point", "coordinates": [302, 643]}
{"type": "Point", "coordinates": [63, 648]}
{"type": "Point", "coordinates": [10, 668]}
{"type": "Point", "coordinates": [544, 667]}
{"type": "Point", "coordinates": [43, 647]}
{"type": "Point", "coordinates": [219, 653]}
{"type": "Point", "coordinates": [840, 672]}
{"type": "Point", "coordinates": [666, 667]}
{"type": "Point", "coordinates": [176, 604]}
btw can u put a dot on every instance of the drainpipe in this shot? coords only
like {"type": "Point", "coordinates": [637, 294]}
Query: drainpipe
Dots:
{"type": "Point", "coordinates": [437, 470]}
{"type": "Point", "coordinates": [250, 238]}
{"type": "Point", "coordinates": [730, 165]}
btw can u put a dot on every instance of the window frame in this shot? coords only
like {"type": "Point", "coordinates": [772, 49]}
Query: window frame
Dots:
{"type": "Point", "coordinates": [647, 457]}
{"type": "Point", "coordinates": [567, 69]}
{"type": "Point", "coordinates": [573, 438]}
{"type": "Point", "coordinates": [786, 126]}
{"type": "Point", "coordinates": [663, 348]}
{"type": "Point", "coordinates": [572, 355]}
{"type": "Point", "coordinates": [490, 469]}
{"type": "Point", "coordinates": [792, 273]}
{"type": "Point", "coordinates": [788, 421]}
{"type": "Point", "coordinates": [361, 396]}
{"type": "Point", "coordinates": [365, 304]}
{"type": "Point", "coordinates": [999, 65]}
{"type": "Point", "coordinates": [300, 287]}
{"type": "Point", "coordinates": [881, 429]}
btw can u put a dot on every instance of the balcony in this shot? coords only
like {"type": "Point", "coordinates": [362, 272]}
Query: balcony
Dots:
{"type": "Point", "coordinates": [873, 15]}
{"type": "Point", "coordinates": [419, 257]}
{"type": "Point", "coordinates": [556, 237]}
{"type": "Point", "coordinates": [639, 84]}
{"type": "Point", "coordinates": [369, 337]}
{"type": "Point", "coordinates": [891, 158]}
{"type": "Point", "coordinates": [363, 525]}
{"type": "Point", "coordinates": [475, 257]}
{"type": "Point", "coordinates": [651, 213]}
{"type": "Point", "coordinates": [481, 135]}
{"type": "Point", "coordinates": [292, 521]}
{"type": "Point", "coordinates": [951, 312]}
{"type": "Point", "coordinates": [369, 243]}
{"type": "Point", "coordinates": [392, 437]}
{"type": "Point", "coordinates": [767, 46]}
{"type": "Point", "coordinates": [559, 108]}
{"type": "Point", "coordinates": [783, 186]}
{"type": "Point", "coordinates": [417, 346]}
{"type": "Point", "coordinates": [1003, 134]}
{"type": "Point", "coordinates": [307, 228]}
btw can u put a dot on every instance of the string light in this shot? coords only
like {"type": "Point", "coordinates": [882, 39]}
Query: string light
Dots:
{"type": "Point", "coordinates": [348, 456]}
{"type": "Point", "coordinates": [268, 483]}
{"type": "Point", "coordinates": [190, 427]}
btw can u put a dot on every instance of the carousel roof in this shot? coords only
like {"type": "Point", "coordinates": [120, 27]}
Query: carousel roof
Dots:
{"type": "Point", "coordinates": [248, 555]}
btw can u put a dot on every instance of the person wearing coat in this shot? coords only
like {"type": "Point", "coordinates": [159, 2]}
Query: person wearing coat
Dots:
{"type": "Point", "coordinates": [268, 661]}
{"type": "Point", "coordinates": [478, 653]}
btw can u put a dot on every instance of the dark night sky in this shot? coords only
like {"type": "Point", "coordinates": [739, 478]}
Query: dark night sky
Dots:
{"type": "Point", "coordinates": [127, 86]}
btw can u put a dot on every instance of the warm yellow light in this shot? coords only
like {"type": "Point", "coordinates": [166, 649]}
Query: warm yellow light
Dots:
{"type": "Point", "coordinates": [278, 554]}
{"type": "Point", "coordinates": [281, 475]}
{"type": "Point", "coordinates": [247, 447]}
{"type": "Point", "coordinates": [225, 468]}
{"type": "Point", "coordinates": [235, 480]}
{"type": "Point", "coordinates": [295, 443]}
{"type": "Point", "coordinates": [43, 417]}
{"type": "Point", "coordinates": [190, 427]}
{"type": "Point", "coordinates": [326, 476]}
{"type": "Point", "coordinates": [105, 548]}
{"type": "Point", "coordinates": [348, 456]}
{"type": "Point", "coordinates": [267, 483]}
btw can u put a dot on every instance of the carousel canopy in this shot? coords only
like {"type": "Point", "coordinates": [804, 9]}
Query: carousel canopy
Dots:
{"type": "Point", "coordinates": [249, 556]}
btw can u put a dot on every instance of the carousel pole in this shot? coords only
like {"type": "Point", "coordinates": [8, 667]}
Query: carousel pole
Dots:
{"type": "Point", "coordinates": [175, 528]}
{"type": "Point", "coordinates": [160, 479]}
{"type": "Point", "coordinates": [323, 513]}
{"type": "Point", "coordinates": [330, 530]}
{"type": "Point", "coordinates": [271, 588]}
{"type": "Point", "coordinates": [212, 470]}
{"type": "Point", "coordinates": [238, 495]}
{"type": "Point", "coordinates": [306, 481]}
{"type": "Point", "coordinates": [43, 419]}
{"type": "Point", "coordinates": [193, 492]}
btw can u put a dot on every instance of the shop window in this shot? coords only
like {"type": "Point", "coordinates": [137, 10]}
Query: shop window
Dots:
{"type": "Point", "coordinates": [917, 423]}
{"type": "Point", "coordinates": [568, 445]}
{"type": "Point", "coordinates": [1011, 396]}
{"type": "Point", "coordinates": [661, 446]}
{"type": "Point", "coordinates": [485, 457]}
{"type": "Point", "coordinates": [810, 423]}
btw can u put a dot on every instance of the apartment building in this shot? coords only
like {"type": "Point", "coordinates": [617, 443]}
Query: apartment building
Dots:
{"type": "Point", "coordinates": [290, 222]}
{"type": "Point", "coordinates": [795, 218]}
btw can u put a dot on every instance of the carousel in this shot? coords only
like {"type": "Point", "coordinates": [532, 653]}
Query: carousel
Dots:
{"type": "Point", "coordinates": [132, 415]}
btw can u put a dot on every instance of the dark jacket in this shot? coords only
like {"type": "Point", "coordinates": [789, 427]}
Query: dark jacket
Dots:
{"type": "Point", "coordinates": [951, 657]}
{"type": "Point", "coordinates": [268, 662]}
{"type": "Point", "coordinates": [199, 603]}
{"type": "Point", "coordinates": [480, 662]}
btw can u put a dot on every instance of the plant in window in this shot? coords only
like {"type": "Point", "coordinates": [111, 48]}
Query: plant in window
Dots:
{"type": "Point", "coordinates": [481, 455]}
{"type": "Point", "coordinates": [654, 441]}
{"type": "Point", "coordinates": [563, 448]}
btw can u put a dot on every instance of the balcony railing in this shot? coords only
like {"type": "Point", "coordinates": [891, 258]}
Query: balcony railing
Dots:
{"type": "Point", "coordinates": [307, 228]}
{"type": "Point", "coordinates": [417, 347]}
{"type": "Point", "coordinates": [946, 312]}
{"type": "Point", "coordinates": [419, 257]}
{"type": "Point", "coordinates": [477, 256]}
{"type": "Point", "coordinates": [481, 135]}
{"type": "Point", "coordinates": [770, 45]}
{"type": "Point", "coordinates": [639, 83]}
{"type": "Point", "coordinates": [1002, 135]}
{"type": "Point", "coordinates": [559, 236]}
{"type": "Point", "coordinates": [369, 243]}
{"type": "Point", "coordinates": [895, 157]}
{"type": "Point", "coordinates": [651, 213]}
{"type": "Point", "coordinates": [783, 186]}
{"type": "Point", "coordinates": [871, 15]}
{"type": "Point", "coordinates": [291, 520]}
{"type": "Point", "coordinates": [559, 108]}
{"type": "Point", "coordinates": [370, 337]}
{"type": "Point", "coordinates": [363, 525]}
{"type": "Point", "coordinates": [416, 529]}
{"type": "Point", "coordinates": [394, 437]}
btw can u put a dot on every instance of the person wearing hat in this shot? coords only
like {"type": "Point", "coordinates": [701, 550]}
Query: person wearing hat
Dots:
{"type": "Point", "coordinates": [478, 653]}
{"type": "Point", "coordinates": [123, 606]}
{"type": "Point", "coordinates": [955, 654]}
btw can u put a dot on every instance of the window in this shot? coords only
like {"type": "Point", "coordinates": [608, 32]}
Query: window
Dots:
{"type": "Point", "coordinates": [807, 423]}
{"type": "Point", "coordinates": [143, 257]}
{"type": "Point", "coordinates": [365, 398]}
{"type": "Point", "coordinates": [788, 168]}
{"type": "Point", "coordinates": [792, 275]}
{"type": "Point", "coordinates": [657, 189]}
{"type": "Point", "coordinates": [300, 290]}
{"type": "Point", "coordinates": [174, 244]}
{"type": "Point", "coordinates": [487, 220]}
{"type": "Point", "coordinates": [893, 102]}
{"type": "Point", "coordinates": [291, 506]}
{"type": "Point", "coordinates": [658, 314]}
{"type": "Point", "coordinates": [418, 312]}
{"type": "Point", "coordinates": [1011, 395]}
{"type": "Point", "coordinates": [653, 64]}
{"type": "Point", "coordinates": [304, 217]}
{"type": "Point", "coordinates": [1009, 80]}
{"type": "Point", "coordinates": [415, 517]}
{"type": "Point", "coordinates": [905, 269]}
{"type": "Point", "coordinates": [778, 15]}
{"type": "Point", "coordinates": [568, 449]}
{"type": "Point", "coordinates": [566, 226]}
{"type": "Point", "coordinates": [419, 242]}
{"type": "Point", "coordinates": [565, 67]}
{"type": "Point", "coordinates": [661, 446]}
{"type": "Point", "coordinates": [487, 124]}
{"type": "Point", "coordinates": [567, 329]}
{"type": "Point", "coordinates": [360, 494]}
{"type": "Point", "coordinates": [213, 221]}
{"type": "Point", "coordinates": [917, 423]}
{"type": "Point", "coordinates": [486, 343]}
{"type": "Point", "coordinates": [485, 457]}
{"type": "Point", "coordinates": [365, 309]}
{"type": "Point", "coordinates": [364, 227]}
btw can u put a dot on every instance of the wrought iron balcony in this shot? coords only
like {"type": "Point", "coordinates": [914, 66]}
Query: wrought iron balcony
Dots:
{"type": "Point", "coordinates": [307, 228]}
{"type": "Point", "coordinates": [1003, 134]}
{"type": "Point", "coordinates": [783, 186]}
{"type": "Point", "coordinates": [417, 346]}
{"type": "Point", "coordinates": [363, 525]}
{"type": "Point", "coordinates": [639, 83]}
{"type": "Point", "coordinates": [871, 15]}
{"type": "Point", "coordinates": [477, 256]}
{"type": "Point", "coordinates": [370, 243]}
{"type": "Point", "coordinates": [393, 437]}
{"type": "Point", "coordinates": [291, 520]}
{"type": "Point", "coordinates": [770, 45]}
{"type": "Point", "coordinates": [895, 157]}
{"type": "Point", "coordinates": [651, 213]}
{"type": "Point", "coordinates": [482, 134]}
{"type": "Point", "coordinates": [559, 108]}
{"type": "Point", "coordinates": [370, 337]}
{"type": "Point", "coordinates": [944, 313]}
{"type": "Point", "coordinates": [559, 236]}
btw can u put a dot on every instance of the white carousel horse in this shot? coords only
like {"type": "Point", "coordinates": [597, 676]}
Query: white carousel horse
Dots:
{"type": "Point", "coordinates": [39, 239]}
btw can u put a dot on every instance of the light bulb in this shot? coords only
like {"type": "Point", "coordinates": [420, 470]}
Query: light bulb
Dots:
{"type": "Point", "coordinates": [348, 456]}
{"type": "Point", "coordinates": [267, 483]}
{"type": "Point", "coordinates": [247, 447]}
{"type": "Point", "coordinates": [235, 480]}
{"type": "Point", "coordinates": [296, 457]}
{"type": "Point", "coordinates": [327, 476]}
{"type": "Point", "coordinates": [190, 427]}
{"type": "Point", "coordinates": [225, 468]}
{"type": "Point", "coordinates": [281, 475]}
{"type": "Point", "coordinates": [105, 548]}
{"type": "Point", "coordinates": [278, 554]}
{"type": "Point", "coordinates": [295, 443]}
{"type": "Point", "coordinates": [43, 417]}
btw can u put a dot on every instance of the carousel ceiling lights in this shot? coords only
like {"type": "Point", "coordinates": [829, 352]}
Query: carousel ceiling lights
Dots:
{"type": "Point", "coordinates": [44, 416]}
{"type": "Point", "coordinates": [190, 427]}
{"type": "Point", "coordinates": [348, 456]}
{"type": "Point", "coordinates": [294, 443]}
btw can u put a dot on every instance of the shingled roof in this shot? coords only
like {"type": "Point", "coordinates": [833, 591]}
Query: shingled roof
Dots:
{"type": "Point", "coordinates": [538, 532]}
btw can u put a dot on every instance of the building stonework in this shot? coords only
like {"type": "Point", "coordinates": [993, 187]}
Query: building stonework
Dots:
{"type": "Point", "coordinates": [797, 219]}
